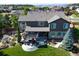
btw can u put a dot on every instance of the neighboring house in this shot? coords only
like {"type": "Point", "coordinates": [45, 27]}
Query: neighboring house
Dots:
{"type": "Point", "coordinates": [52, 25]}
{"type": "Point", "coordinates": [77, 10]}
{"type": "Point", "coordinates": [17, 12]}
{"type": "Point", "coordinates": [73, 6]}
{"type": "Point", "coordinates": [6, 8]}
{"type": "Point", "coordinates": [75, 20]}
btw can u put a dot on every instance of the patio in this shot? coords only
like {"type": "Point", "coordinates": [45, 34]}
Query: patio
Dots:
{"type": "Point", "coordinates": [29, 48]}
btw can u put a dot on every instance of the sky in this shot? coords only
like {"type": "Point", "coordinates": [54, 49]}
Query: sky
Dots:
{"type": "Point", "coordinates": [38, 2]}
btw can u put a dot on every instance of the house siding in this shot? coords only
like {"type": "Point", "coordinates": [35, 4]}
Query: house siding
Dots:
{"type": "Point", "coordinates": [59, 25]}
{"type": "Point", "coordinates": [35, 23]}
{"type": "Point", "coordinates": [59, 29]}
{"type": "Point", "coordinates": [23, 24]}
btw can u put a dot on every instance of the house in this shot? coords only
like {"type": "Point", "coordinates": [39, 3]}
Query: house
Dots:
{"type": "Point", "coordinates": [49, 25]}
{"type": "Point", "coordinates": [58, 28]}
{"type": "Point", "coordinates": [77, 10]}
{"type": "Point", "coordinates": [34, 26]}
{"type": "Point", "coordinates": [17, 12]}
{"type": "Point", "coordinates": [5, 8]}
{"type": "Point", "coordinates": [74, 20]}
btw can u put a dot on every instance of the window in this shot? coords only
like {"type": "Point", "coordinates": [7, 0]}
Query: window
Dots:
{"type": "Point", "coordinates": [40, 23]}
{"type": "Point", "coordinates": [65, 26]}
{"type": "Point", "coordinates": [52, 34]}
{"type": "Point", "coordinates": [53, 26]}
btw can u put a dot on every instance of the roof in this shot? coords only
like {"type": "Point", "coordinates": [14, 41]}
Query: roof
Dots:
{"type": "Point", "coordinates": [37, 29]}
{"type": "Point", "coordinates": [17, 11]}
{"type": "Point", "coordinates": [42, 15]}
{"type": "Point", "coordinates": [53, 18]}
{"type": "Point", "coordinates": [45, 16]}
{"type": "Point", "coordinates": [56, 17]}
{"type": "Point", "coordinates": [33, 16]}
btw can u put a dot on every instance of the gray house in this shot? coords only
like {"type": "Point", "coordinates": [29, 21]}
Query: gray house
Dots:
{"type": "Point", "coordinates": [58, 27]}
{"type": "Point", "coordinates": [45, 24]}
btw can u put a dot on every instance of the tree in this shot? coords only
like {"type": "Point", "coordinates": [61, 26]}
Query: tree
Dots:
{"type": "Point", "coordinates": [67, 42]}
{"type": "Point", "coordinates": [6, 21]}
{"type": "Point", "coordinates": [45, 8]}
{"type": "Point", "coordinates": [14, 21]}
{"type": "Point", "coordinates": [1, 21]}
{"type": "Point", "coordinates": [26, 9]}
{"type": "Point", "coordinates": [62, 8]}
{"type": "Point", "coordinates": [1, 26]}
{"type": "Point", "coordinates": [67, 11]}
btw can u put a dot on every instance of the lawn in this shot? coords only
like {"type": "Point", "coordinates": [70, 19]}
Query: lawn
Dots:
{"type": "Point", "coordinates": [75, 16]}
{"type": "Point", "coordinates": [49, 51]}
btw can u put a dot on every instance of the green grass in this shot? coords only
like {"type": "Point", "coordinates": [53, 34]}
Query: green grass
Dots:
{"type": "Point", "coordinates": [75, 16]}
{"type": "Point", "coordinates": [17, 51]}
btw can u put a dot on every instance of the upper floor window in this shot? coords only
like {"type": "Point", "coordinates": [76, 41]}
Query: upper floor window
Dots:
{"type": "Point", "coordinates": [53, 26]}
{"type": "Point", "coordinates": [40, 23]}
{"type": "Point", "coordinates": [65, 26]}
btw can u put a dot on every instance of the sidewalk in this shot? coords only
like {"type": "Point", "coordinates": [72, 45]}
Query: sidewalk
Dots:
{"type": "Point", "coordinates": [74, 54]}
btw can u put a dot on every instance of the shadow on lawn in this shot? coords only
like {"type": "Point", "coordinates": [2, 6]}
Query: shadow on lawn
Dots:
{"type": "Point", "coordinates": [44, 46]}
{"type": "Point", "coordinates": [3, 54]}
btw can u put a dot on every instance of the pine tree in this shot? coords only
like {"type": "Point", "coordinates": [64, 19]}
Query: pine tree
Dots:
{"type": "Point", "coordinates": [67, 42]}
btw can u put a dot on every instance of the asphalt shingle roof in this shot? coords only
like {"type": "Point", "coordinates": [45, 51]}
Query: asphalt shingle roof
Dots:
{"type": "Point", "coordinates": [42, 16]}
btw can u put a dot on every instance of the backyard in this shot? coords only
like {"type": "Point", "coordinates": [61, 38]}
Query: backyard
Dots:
{"type": "Point", "coordinates": [49, 51]}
